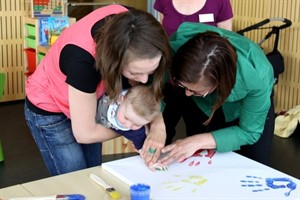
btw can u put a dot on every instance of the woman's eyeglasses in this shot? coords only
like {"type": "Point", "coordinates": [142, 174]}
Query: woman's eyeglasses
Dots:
{"type": "Point", "coordinates": [192, 91]}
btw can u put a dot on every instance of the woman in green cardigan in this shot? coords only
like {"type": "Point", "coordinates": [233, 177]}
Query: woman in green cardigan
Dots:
{"type": "Point", "coordinates": [223, 90]}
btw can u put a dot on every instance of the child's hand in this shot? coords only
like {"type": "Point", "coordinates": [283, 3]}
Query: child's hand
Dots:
{"type": "Point", "coordinates": [155, 166]}
{"type": "Point", "coordinates": [158, 167]}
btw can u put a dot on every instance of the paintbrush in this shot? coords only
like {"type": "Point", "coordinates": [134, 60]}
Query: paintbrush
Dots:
{"type": "Point", "coordinates": [53, 197]}
{"type": "Point", "coordinates": [111, 191]}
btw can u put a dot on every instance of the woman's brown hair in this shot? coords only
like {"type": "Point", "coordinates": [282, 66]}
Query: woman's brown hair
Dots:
{"type": "Point", "coordinates": [133, 33]}
{"type": "Point", "coordinates": [209, 57]}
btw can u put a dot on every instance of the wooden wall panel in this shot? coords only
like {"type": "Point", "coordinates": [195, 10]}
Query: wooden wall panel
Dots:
{"type": "Point", "coordinates": [249, 12]}
{"type": "Point", "coordinates": [118, 145]}
{"type": "Point", "coordinates": [11, 48]}
{"type": "Point", "coordinates": [79, 8]}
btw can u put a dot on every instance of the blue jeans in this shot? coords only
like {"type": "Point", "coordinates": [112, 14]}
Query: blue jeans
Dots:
{"type": "Point", "coordinates": [55, 140]}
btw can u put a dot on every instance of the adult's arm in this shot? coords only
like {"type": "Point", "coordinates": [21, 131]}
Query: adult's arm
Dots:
{"type": "Point", "coordinates": [225, 15]}
{"type": "Point", "coordinates": [161, 17]}
{"type": "Point", "coordinates": [227, 24]}
{"type": "Point", "coordinates": [254, 86]}
{"type": "Point", "coordinates": [159, 6]}
{"type": "Point", "coordinates": [253, 113]}
{"type": "Point", "coordinates": [83, 112]}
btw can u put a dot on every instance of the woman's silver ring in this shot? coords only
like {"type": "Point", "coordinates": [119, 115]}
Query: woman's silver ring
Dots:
{"type": "Point", "coordinates": [151, 151]}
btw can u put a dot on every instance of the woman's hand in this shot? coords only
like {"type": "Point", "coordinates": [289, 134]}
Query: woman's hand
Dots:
{"type": "Point", "coordinates": [185, 148]}
{"type": "Point", "coordinates": [154, 142]}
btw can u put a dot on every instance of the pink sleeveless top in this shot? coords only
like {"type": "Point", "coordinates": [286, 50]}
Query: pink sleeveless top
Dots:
{"type": "Point", "coordinates": [46, 87]}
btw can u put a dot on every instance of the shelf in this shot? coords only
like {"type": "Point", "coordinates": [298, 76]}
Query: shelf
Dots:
{"type": "Point", "coordinates": [30, 20]}
{"type": "Point", "coordinates": [42, 49]}
{"type": "Point", "coordinates": [31, 39]}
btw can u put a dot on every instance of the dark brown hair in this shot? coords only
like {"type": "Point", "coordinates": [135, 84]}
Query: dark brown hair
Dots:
{"type": "Point", "coordinates": [209, 57]}
{"type": "Point", "coordinates": [135, 33]}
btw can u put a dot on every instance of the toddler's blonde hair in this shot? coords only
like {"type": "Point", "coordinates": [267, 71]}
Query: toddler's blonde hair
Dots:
{"type": "Point", "coordinates": [143, 101]}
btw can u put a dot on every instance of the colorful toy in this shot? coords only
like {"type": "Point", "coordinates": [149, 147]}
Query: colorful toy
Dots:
{"type": "Point", "coordinates": [47, 8]}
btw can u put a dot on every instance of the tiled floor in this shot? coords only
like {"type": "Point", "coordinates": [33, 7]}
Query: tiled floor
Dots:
{"type": "Point", "coordinates": [23, 162]}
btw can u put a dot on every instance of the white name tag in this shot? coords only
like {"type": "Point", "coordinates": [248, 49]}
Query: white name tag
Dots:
{"type": "Point", "coordinates": [206, 17]}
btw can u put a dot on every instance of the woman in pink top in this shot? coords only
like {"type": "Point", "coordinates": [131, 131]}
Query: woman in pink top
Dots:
{"type": "Point", "coordinates": [212, 12]}
{"type": "Point", "coordinates": [109, 50]}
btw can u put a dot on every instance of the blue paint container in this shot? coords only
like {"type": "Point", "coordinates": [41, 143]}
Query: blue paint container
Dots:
{"type": "Point", "coordinates": [140, 191]}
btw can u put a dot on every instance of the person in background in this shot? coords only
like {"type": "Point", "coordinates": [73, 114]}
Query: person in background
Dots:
{"type": "Point", "coordinates": [134, 109]}
{"type": "Point", "coordinates": [172, 13]}
{"type": "Point", "coordinates": [107, 51]}
{"type": "Point", "coordinates": [225, 84]}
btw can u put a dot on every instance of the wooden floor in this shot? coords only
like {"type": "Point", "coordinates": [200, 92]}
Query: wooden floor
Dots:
{"type": "Point", "coordinates": [23, 162]}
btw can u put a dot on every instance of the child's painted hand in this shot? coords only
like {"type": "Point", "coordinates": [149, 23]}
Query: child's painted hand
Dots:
{"type": "Point", "coordinates": [158, 167]}
{"type": "Point", "coordinates": [155, 166]}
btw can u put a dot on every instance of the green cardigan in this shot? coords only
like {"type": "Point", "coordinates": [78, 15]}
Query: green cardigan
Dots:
{"type": "Point", "coordinates": [249, 99]}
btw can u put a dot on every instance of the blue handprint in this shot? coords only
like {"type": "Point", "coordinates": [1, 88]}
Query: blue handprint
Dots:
{"type": "Point", "coordinates": [254, 181]}
{"type": "Point", "coordinates": [291, 185]}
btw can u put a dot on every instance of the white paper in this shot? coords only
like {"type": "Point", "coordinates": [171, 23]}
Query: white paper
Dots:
{"type": "Point", "coordinates": [209, 176]}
